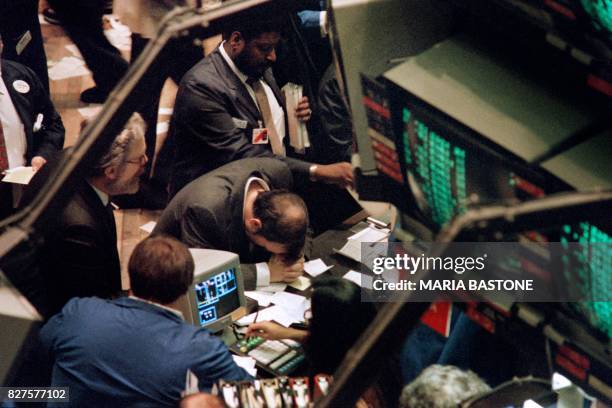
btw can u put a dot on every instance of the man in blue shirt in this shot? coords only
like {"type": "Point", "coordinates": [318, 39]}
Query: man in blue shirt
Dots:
{"type": "Point", "coordinates": [136, 351]}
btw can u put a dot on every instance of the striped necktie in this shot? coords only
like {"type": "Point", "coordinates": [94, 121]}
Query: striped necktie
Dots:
{"type": "Point", "coordinates": [262, 100]}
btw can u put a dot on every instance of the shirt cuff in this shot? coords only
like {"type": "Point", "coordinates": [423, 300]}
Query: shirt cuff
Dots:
{"type": "Point", "coordinates": [263, 274]}
{"type": "Point", "coordinates": [323, 23]}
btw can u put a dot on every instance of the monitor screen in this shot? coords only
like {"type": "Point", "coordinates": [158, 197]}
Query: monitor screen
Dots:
{"type": "Point", "coordinates": [217, 296]}
{"type": "Point", "coordinates": [448, 166]}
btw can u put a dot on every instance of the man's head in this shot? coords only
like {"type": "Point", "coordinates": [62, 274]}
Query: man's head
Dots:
{"type": "Point", "coordinates": [442, 387]}
{"type": "Point", "coordinates": [160, 269]}
{"type": "Point", "coordinates": [278, 223]}
{"type": "Point", "coordinates": [119, 170]}
{"type": "Point", "coordinates": [252, 47]}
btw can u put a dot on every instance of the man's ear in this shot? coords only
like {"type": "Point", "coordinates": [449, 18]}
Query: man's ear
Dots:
{"type": "Point", "coordinates": [111, 172]}
{"type": "Point", "coordinates": [236, 41]}
{"type": "Point", "coordinates": [253, 225]}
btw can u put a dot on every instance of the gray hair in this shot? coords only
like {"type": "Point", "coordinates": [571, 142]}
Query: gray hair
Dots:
{"type": "Point", "coordinates": [441, 386]}
{"type": "Point", "coordinates": [118, 151]}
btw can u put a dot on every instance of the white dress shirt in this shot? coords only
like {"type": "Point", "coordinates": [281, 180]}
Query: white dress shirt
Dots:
{"type": "Point", "coordinates": [14, 134]}
{"type": "Point", "coordinates": [278, 115]}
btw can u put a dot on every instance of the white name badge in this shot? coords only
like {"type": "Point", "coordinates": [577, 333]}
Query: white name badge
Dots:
{"type": "Point", "coordinates": [21, 86]}
{"type": "Point", "coordinates": [260, 136]}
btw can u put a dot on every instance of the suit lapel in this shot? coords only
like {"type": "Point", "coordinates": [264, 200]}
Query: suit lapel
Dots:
{"type": "Point", "coordinates": [240, 94]}
{"type": "Point", "coordinates": [102, 213]}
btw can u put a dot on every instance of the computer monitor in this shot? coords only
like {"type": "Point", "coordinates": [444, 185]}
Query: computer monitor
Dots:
{"type": "Point", "coordinates": [216, 297]}
{"type": "Point", "coordinates": [447, 166]}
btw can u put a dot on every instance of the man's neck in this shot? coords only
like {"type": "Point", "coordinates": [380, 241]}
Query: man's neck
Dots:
{"type": "Point", "coordinates": [251, 195]}
{"type": "Point", "coordinates": [98, 183]}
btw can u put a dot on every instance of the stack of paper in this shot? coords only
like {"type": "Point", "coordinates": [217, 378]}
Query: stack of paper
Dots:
{"type": "Point", "coordinates": [298, 134]}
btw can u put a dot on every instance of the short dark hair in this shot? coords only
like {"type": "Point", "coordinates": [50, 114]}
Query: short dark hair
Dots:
{"type": "Point", "coordinates": [278, 223]}
{"type": "Point", "coordinates": [337, 313]}
{"type": "Point", "coordinates": [160, 269]}
{"type": "Point", "coordinates": [254, 26]}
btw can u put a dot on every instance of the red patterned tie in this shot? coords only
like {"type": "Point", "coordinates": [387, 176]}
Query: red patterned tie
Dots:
{"type": "Point", "coordinates": [3, 154]}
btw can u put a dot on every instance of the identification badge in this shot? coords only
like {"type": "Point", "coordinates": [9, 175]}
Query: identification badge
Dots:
{"type": "Point", "coordinates": [23, 42]}
{"type": "Point", "coordinates": [21, 86]}
{"type": "Point", "coordinates": [260, 136]}
{"type": "Point", "coordinates": [240, 123]}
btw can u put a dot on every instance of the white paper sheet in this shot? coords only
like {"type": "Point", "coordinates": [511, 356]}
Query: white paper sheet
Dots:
{"type": "Point", "coordinates": [248, 363]}
{"type": "Point", "coordinates": [90, 111]}
{"type": "Point", "coordinates": [275, 313]}
{"type": "Point", "coordinates": [316, 267]}
{"type": "Point", "coordinates": [148, 227]}
{"type": "Point", "coordinates": [364, 281]}
{"type": "Point", "coordinates": [301, 283]}
{"type": "Point", "coordinates": [273, 287]}
{"type": "Point", "coordinates": [370, 234]}
{"type": "Point", "coordinates": [262, 298]}
{"type": "Point", "coordinates": [68, 67]}
{"type": "Point", "coordinates": [19, 175]}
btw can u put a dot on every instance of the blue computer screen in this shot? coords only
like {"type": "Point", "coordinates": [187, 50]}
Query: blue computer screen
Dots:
{"type": "Point", "coordinates": [217, 296]}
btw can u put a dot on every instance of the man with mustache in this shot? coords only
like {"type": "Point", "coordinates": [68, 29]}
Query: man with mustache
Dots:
{"type": "Point", "coordinates": [229, 107]}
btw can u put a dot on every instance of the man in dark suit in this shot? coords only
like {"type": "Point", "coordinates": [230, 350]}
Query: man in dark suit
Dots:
{"type": "Point", "coordinates": [30, 128]}
{"type": "Point", "coordinates": [20, 29]}
{"type": "Point", "coordinates": [79, 257]}
{"type": "Point", "coordinates": [82, 20]}
{"type": "Point", "coordinates": [137, 351]}
{"type": "Point", "coordinates": [229, 107]}
{"type": "Point", "coordinates": [239, 208]}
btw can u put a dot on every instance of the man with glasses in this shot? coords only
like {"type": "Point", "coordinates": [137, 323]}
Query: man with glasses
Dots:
{"type": "Point", "coordinates": [80, 257]}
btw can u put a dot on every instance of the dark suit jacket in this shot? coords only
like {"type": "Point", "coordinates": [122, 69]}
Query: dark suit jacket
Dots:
{"type": "Point", "coordinates": [207, 213]}
{"type": "Point", "coordinates": [29, 105]}
{"type": "Point", "coordinates": [210, 97]}
{"type": "Point", "coordinates": [79, 257]}
{"type": "Point", "coordinates": [128, 353]}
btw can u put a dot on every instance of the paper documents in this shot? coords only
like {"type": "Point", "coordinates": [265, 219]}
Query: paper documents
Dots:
{"type": "Point", "coordinates": [364, 281]}
{"type": "Point", "coordinates": [301, 283]}
{"type": "Point", "coordinates": [369, 235]}
{"type": "Point", "coordinates": [273, 287]}
{"type": "Point", "coordinates": [248, 363]}
{"type": "Point", "coordinates": [294, 305]}
{"type": "Point", "coordinates": [148, 227]}
{"type": "Point", "coordinates": [262, 298]}
{"type": "Point", "coordinates": [68, 67]}
{"type": "Point", "coordinates": [19, 175]}
{"type": "Point", "coordinates": [275, 313]}
{"type": "Point", "coordinates": [316, 267]}
{"type": "Point", "coordinates": [298, 134]}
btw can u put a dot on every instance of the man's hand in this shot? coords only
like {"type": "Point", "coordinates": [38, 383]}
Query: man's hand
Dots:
{"type": "Point", "coordinates": [280, 271]}
{"type": "Point", "coordinates": [38, 162]}
{"type": "Point", "coordinates": [338, 173]}
{"type": "Point", "coordinates": [303, 111]}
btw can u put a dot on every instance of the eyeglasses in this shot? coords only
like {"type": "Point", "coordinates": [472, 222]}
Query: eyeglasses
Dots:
{"type": "Point", "coordinates": [141, 161]}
